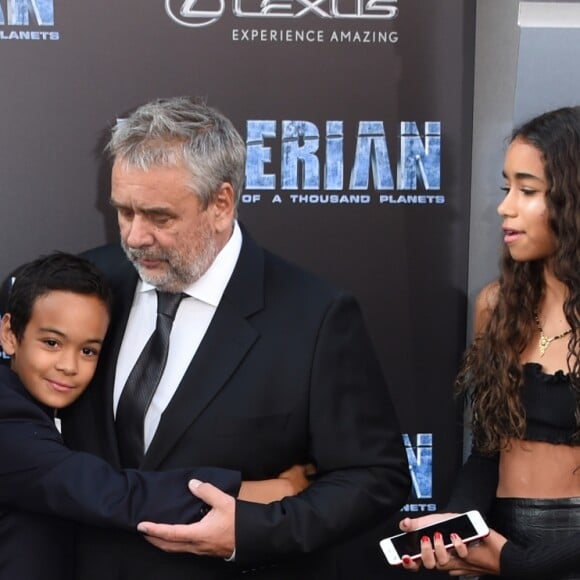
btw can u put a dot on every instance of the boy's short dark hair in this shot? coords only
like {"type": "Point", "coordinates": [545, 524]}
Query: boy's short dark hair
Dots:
{"type": "Point", "coordinates": [54, 272]}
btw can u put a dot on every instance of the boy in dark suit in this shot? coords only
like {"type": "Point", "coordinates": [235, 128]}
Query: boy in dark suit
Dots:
{"type": "Point", "coordinates": [56, 319]}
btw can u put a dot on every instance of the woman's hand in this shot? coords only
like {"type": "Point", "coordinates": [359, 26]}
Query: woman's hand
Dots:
{"type": "Point", "coordinates": [412, 524]}
{"type": "Point", "coordinates": [475, 559]}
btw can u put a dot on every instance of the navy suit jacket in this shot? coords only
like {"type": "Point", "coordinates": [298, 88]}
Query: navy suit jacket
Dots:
{"type": "Point", "coordinates": [285, 374]}
{"type": "Point", "coordinates": [40, 479]}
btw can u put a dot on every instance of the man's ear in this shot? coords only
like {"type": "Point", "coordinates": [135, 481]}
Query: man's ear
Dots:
{"type": "Point", "coordinates": [7, 338]}
{"type": "Point", "coordinates": [224, 207]}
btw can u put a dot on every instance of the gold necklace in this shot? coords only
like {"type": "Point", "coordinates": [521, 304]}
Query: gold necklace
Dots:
{"type": "Point", "coordinates": [546, 341]}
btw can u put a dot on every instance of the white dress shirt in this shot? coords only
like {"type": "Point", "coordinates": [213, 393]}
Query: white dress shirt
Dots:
{"type": "Point", "coordinates": [192, 320]}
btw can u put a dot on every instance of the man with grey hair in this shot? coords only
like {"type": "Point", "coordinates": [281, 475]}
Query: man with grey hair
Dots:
{"type": "Point", "coordinates": [247, 362]}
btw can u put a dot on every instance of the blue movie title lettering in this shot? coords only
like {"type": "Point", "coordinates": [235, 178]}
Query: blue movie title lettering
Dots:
{"type": "Point", "coordinates": [258, 155]}
{"type": "Point", "coordinates": [299, 148]}
{"type": "Point", "coordinates": [18, 12]}
{"type": "Point", "coordinates": [420, 458]}
{"type": "Point", "coordinates": [371, 152]}
{"type": "Point", "coordinates": [419, 162]}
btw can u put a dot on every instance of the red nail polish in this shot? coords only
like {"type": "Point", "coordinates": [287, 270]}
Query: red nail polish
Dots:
{"type": "Point", "coordinates": [454, 536]}
{"type": "Point", "coordinates": [425, 539]}
{"type": "Point", "coordinates": [437, 536]}
{"type": "Point", "coordinates": [406, 559]}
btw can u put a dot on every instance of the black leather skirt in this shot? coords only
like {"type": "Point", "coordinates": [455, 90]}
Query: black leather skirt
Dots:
{"type": "Point", "coordinates": [526, 521]}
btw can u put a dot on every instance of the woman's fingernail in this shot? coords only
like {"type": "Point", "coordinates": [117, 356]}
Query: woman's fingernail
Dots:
{"type": "Point", "coordinates": [454, 536]}
{"type": "Point", "coordinates": [406, 559]}
{"type": "Point", "coordinates": [437, 536]}
{"type": "Point", "coordinates": [425, 539]}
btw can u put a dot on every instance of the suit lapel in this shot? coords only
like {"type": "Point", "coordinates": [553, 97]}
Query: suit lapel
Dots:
{"type": "Point", "coordinates": [123, 282]}
{"type": "Point", "coordinates": [227, 340]}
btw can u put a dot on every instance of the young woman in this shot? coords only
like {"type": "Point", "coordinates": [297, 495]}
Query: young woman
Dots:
{"type": "Point", "coordinates": [522, 373]}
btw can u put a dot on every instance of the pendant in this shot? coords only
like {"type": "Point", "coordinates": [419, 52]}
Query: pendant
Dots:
{"type": "Point", "coordinates": [544, 343]}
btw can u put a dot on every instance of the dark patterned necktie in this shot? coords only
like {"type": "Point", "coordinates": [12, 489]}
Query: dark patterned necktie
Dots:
{"type": "Point", "coordinates": [142, 383]}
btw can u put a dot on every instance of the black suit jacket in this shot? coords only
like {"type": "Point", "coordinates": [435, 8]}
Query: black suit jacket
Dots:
{"type": "Point", "coordinates": [41, 479]}
{"type": "Point", "coordinates": [285, 374]}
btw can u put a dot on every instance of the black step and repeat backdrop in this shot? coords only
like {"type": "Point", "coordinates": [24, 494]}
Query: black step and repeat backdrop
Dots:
{"type": "Point", "coordinates": [357, 116]}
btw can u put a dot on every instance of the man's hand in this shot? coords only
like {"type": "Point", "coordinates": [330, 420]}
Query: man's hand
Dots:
{"type": "Point", "coordinates": [214, 535]}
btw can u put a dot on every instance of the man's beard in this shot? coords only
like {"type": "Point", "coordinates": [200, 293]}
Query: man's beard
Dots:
{"type": "Point", "coordinates": [182, 268]}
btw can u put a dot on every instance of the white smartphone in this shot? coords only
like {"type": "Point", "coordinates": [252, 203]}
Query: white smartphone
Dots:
{"type": "Point", "coordinates": [468, 526]}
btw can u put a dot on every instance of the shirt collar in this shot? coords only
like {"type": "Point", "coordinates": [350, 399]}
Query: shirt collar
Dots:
{"type": "Point", "coordinates": [211, 286]}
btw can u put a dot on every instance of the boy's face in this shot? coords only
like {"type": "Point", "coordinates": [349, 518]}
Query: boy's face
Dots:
{"type": "Point", "coordinates": [57, 355]}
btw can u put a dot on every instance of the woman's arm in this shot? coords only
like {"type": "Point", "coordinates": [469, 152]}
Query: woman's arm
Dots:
{"type": "Point", "coordinates": [476, 484]}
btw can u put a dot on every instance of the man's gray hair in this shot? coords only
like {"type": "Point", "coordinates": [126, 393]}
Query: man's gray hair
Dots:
{"type": "Point", "coordinates": [167, 131]}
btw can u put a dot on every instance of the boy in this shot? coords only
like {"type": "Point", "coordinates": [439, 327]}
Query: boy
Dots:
{"type": "Point", "coordinates": [55, 322]}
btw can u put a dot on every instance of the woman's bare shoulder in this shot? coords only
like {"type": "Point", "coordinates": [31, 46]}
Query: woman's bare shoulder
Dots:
{"type": "Point", "coordinates": [485, 304]}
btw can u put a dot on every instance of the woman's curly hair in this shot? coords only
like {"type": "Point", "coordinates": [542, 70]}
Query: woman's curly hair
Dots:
{"type": "Point", "coordinates": [492, 373]}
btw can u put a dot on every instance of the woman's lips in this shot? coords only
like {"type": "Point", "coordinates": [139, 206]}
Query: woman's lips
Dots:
{"type": "Point", "coordinates": [511, 236]}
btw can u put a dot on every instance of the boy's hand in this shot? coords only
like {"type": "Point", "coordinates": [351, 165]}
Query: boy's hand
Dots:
{"type": "Point", "coordinates": [288, 483]}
